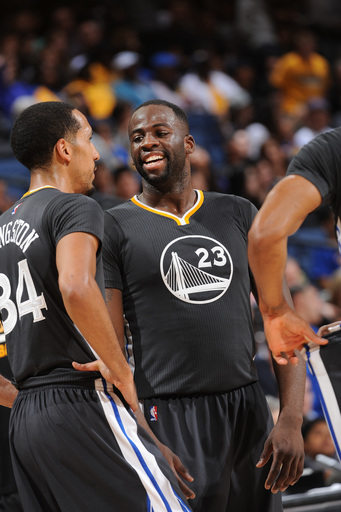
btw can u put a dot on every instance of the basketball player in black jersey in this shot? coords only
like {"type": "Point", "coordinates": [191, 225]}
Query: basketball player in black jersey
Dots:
{"type": "Point", "coordinates": [313, 178]}
{"type": "Point", "coordinates": [175, 262]}
{"type": "Point", "coordinates": [75, 444]}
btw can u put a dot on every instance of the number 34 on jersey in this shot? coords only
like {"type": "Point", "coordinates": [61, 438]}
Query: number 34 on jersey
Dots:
{"type": "Point", "coordinates": [34, 303]}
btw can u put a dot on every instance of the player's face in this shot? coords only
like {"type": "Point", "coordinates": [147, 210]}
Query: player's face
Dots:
{"type": "Point", "coordinates": [158, 144]}
{"type": "Point", "coordinates": [84, 157]}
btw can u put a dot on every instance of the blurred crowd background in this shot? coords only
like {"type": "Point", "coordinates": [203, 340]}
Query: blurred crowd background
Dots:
{"type": "Point", "coordinates": [257, 78]}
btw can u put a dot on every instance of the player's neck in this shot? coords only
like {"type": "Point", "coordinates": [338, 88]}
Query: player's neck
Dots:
{"type": "Point", "coordinates": [175, 203]}
{"type": "Point", "coordinates": [50, 179]}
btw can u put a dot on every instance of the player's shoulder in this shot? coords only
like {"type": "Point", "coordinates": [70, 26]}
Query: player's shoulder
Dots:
{"type": "Point", "coordinates": [323, 145]}
{"type": "Point", "coordinates": [331, 136]}
{"type": "Point", "coordinates": [121, 211]}
{"type": "Point", "coordinates": [71, 203]}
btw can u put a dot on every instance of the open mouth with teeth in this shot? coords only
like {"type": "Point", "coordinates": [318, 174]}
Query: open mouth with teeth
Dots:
{"type": "Point", "coordinates": [153, 161]}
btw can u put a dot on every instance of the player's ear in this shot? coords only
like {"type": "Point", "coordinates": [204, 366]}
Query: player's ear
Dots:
{"type": "Point", "coordinates": [63, 150]}
{"type": "Point", "coordinates": [189, 144]}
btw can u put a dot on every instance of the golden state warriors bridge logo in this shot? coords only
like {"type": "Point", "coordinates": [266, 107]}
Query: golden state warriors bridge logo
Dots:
{"type": "Point", "coordinates": [196, 269]}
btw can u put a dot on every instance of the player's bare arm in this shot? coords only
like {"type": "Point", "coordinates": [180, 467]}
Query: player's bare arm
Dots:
{"type": "Point", "coordinates": [86, 307]}
{"type": "Point", "coordinates": [8, 392]}
{"type": "Point", "coordinates": [281, 215]}
{"type": "Point", "coordinates": [285, 442]}
{"type": "Point", "coordinates": [113, 298]}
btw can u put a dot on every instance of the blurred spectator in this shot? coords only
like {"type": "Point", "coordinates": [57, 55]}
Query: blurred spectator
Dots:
{"type": "Point", "coordinates": [178, 32]}
{"type": "Point", "coordinates": [208, 90]}
{"type": "Point", "coordinates": [105, 187]}
{"type": "Point", "coordinates": [106, 139]}
{"type": "Point", "coordinates": [244, 118]}
{"type": "Point", "coordinates": [294, 274]}
{"type": "Point", "coordinates": [258, 179]}
{"type": "Point", "coordinates": [201, 167]}
{"type": "Point", "coordinates": [285, 126]}
{"type": "Point", "coordinates": [127, 182]}
{"type": "Point", "coordinates": [318, 441]}
{"type": "Point", "coordinates": [120, 136]}
{"type": "Point", "coordinates": [90, 44]}
{"type": "Point", "coordinates": [130, 85]}
{"type": "Point", "coordinates": [93, 97]}
{"type": "Point", "coordinates": [310, 305]}
{"type": "Point", "coordinates": [325, 256]}
{"type": "Point", "coordinates": [254, 23]}
{"type": "Point", "coordinates": [335, 93]}
{"type": "Point", "coordinates": [6, 200]}
{"type": "Point", "coordinates": [233, 178]}
{"type": "Point", "coordinates": [315, 247]}
{"type": "Point", "coordinates": [316, 121]}
{"type": "Point", "coordinates": [334, 290]}
{"type": "Point", "coordinates": [272, 151]}
{"type": "Point", "coordinates": [166, 75]}
{"type": "Point", "coordinates": [300, 75]}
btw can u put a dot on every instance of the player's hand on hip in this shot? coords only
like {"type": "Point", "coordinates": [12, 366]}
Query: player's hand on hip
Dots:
{"type": "Point", "coordinates": [127, 388]}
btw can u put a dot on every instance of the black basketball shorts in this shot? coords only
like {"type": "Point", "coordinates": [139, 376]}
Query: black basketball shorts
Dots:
{"type": "Point", "coordinates": [220, 439]}
{"type": "Point", "coordinates": [81, 450]}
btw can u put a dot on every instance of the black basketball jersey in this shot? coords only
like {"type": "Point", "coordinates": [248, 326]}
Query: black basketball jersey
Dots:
{"type": "Point", "coordinates": [319, 161]}
{"type": "Point", "coordinates": [186, 293]}
{"type": "Point", "coordinates": [42, 341]}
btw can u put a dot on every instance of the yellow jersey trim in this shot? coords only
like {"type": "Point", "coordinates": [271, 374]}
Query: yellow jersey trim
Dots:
{"type": "Point", "coordinates": [36, 190]}
{"type": "Point", "coordinates": [181, 221]}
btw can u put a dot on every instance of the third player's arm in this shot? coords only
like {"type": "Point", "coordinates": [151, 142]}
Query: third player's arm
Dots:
{"type": "Point", "coordinates": [282, 213]}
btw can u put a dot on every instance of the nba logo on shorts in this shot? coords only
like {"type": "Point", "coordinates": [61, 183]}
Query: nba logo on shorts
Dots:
{"type": "Point", "coordinates": [153, 413]}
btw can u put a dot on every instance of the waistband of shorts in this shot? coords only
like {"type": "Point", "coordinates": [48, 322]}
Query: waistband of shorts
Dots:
{"type": "Point", "coordinates": [97, 385]}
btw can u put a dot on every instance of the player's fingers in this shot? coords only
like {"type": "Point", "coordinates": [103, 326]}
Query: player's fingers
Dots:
{"type": "Point", "coordinates": [182, 470]}
{"type": "Point", "coordinates": [295, 473]}
{"type": "Point", "coordinates": [280, 359]}
{"type": "Point", "coordinates": [274, 472]}
{"type": "Point", "coordinates": [86, 367]}
{"type": "Point", "coordinates": [265, 455]}
{"type": "Point", "coordinates": [294, 360]}
{"type": "Point", "coordinates": [313, 338]}
{"type": "Point", "coordinates": [285, 357]}
{"type": "Point", "coordinates": [189, 493]}
{"type": "Point", "coordinates": [290, 473]}
{"type": "Point", "coordinates": [326, 329]}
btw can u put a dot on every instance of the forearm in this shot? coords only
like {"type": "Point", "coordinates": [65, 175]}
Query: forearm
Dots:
{"type": "Point", "coordinates": [8, 392]}
{"type": "Point", "coordinates": [114, 302]}
{"type": "Point", "coordinates": [143, 423]}
{"type": "Point", "coordinates": [267, 258]}
{"type": "Point", "coordinates": [86, 307]}
{"type": "Point", "coordinates": [291, 385]}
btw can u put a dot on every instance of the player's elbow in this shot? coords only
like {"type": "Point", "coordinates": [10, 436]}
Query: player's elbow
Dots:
{"type": "Point", "coordinates": [74, 288]}
{"type": "Point", "coordinates": [263, 235]}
